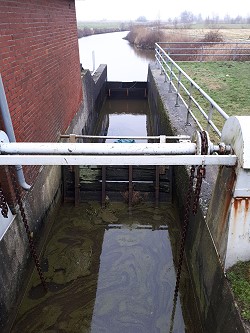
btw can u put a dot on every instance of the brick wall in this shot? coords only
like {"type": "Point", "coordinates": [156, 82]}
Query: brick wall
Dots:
{"type": "Point", "coordinates": [39, 64]}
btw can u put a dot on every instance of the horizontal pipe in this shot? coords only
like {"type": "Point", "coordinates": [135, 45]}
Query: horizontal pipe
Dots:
{"type": "Point", "coordinates": [167, 137]}
{"type": "Point", "coordinates": [97, 148]}
{"type": "Point", "coordinates": [118, 159]}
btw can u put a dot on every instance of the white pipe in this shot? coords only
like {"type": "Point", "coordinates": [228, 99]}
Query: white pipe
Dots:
{"type": "Point", "coordinates": [10, 132]}
{"type": "Point", "coordinates": [184, 148]}
{"type": "Point", "coordinates": [118, 159]}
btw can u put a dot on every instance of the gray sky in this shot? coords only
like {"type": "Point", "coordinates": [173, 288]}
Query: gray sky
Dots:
{"type": "Point", "coordinates": [158, 9]}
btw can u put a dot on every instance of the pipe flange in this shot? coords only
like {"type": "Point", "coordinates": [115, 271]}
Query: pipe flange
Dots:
{"type": "Point", "coordinates": [4, 137]}
{"type": "Point", "coordinates": [203, 143]}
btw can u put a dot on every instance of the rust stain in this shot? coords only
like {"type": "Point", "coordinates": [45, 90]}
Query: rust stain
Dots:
{"type": "Point", "coordinates": [227, 200]}
{"type": "Point", "coordinates": [246, 209]}
{"type": "Point", "coordinates": [240, 205]}
{"type": "Point", "coordinates": [237, 203]}
{"type": "Point", "coordinates": [247, 204]}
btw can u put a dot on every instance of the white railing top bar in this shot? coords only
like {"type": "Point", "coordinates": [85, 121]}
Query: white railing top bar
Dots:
{"type": "Point", "coordinates": [167, 64]}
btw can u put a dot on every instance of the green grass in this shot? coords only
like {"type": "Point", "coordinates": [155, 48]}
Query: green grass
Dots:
{"type": "Point", "coordinates": [227, 83]}
{"type": "Point", "coordinates": [239, 278]}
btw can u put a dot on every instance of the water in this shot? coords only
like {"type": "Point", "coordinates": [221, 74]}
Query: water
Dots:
{"type": "Point", "coordinates": [107, 271]}
{"type": "Point", "coordinates": [112, 269]}
{"type": "Point", "coordinates": [124, 62]}
{"type": "Point", "coordinates": [125, 117]}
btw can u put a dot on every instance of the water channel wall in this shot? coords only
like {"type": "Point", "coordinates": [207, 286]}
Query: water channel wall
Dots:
{"type": "Point", "coordinates": [41, 201]}
{"type": "Point", "coordinates": [40, 70]}
{"type": "Point", "coordinates": [205, 260]}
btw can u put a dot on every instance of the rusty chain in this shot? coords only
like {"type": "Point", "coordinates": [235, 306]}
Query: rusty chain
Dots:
{"type": "Point", "coordinates": [3, 204]}
{"type": "Point", "coordinates": [201, 173]}
{"type": "Point", "coordinates": [183, 239]}
{"type": "Point", "coordinates": [27, 229]}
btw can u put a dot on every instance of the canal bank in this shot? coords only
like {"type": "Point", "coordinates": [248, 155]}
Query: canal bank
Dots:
{"type": "Point", "coordinates": [40, 203]}
{"type": "Point", "coordinates": [204, 258]}
{"type": "Point", "coordinates": [213, 297]}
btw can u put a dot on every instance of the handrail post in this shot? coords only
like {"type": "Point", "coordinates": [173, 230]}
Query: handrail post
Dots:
{"type": "Point", "coordinates": [170, 78]}
{"type": "Point", "coordinates": [189, 104]}
{"type": "Point", "coordinates": [210, 115]}
{"type": "Point", "coordinates": [202, 50]}
{"type": "Point", "coordinates": [178, 90]}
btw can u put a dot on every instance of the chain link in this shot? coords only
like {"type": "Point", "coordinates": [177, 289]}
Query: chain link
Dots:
{"type": "Point", "coordinates": [183, 239]}
{"type": "Point", "coordinates": [3, 204]}
{"type": "Point", "coordinates": [201, 173]}
{"type": "Point", "coordinates": [27, 229]}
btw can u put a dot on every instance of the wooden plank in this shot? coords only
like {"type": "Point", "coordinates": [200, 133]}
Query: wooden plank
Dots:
{"type": "Point", "coordinates": [122, 186]}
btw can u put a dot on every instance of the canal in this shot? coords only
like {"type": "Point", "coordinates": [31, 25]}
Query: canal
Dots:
{"type": "Point", "coordinates": [112, 269]}
{"type": "Point", "coordinates": [125, 63]}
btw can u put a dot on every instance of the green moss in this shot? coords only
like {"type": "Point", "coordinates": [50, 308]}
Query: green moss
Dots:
{"type": "Point", "coordinates": [239, 278]}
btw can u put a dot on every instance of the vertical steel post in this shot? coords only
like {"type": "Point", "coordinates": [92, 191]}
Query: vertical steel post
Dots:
{"type": "Point", "coordinates": [201, 59]}
{"type": "Point", "coordinates": [210, 115]}
{"type": "Point", "coordinates": [104, 174]}
{"type": "Point", "coordinates": [130, 185]}
{"type": "Point", "coordinates": [189, 103]}
{"type": "Point", "coordinates": [178, 90]}
{"type": "Point", "coordinates": [170, 78]}
{"type": "Point", "coordinates": [72, 139]}
{"type": "Point", "coordinates": [157, 185]}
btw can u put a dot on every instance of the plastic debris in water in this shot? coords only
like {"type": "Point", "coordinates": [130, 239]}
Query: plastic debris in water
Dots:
{"type": "Point", "coordinates": [124, 141]}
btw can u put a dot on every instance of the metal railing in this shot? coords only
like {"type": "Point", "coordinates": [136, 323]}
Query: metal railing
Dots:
{"type": "Point", "coordinates": [207, 51]}
{"type": "Point", "coordinates": [200, 106]}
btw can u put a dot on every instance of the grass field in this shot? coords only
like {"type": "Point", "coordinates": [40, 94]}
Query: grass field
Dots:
{"type": "Point", "coordinates": [239, 277]}
{"type": "Point", "coordinates": [229, 85]}
{"type": "Point", "coordinates": [226, 82]}
{"type": "Point", "coordinates": [233, 34]}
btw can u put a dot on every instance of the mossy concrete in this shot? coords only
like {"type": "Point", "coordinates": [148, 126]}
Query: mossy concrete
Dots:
{"type": "Point", "coordinates": [214, 298]}
{"type": "Point", "coordinates": [40, 202]}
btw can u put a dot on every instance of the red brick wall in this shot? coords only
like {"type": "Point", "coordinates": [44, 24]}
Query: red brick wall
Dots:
{"type": "Point", "coordinates": [39, 64]}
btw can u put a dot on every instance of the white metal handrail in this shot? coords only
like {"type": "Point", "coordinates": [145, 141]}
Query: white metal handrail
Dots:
{"type": "Point", "coordinates": [204, 50]}
{"type": "Point", "coordinates": [174, 74]}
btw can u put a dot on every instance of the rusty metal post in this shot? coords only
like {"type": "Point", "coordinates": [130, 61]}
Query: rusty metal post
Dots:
{"type": "Point", "coordinates": [72, 139]}
{"type": "Point", "coordinates": [130, 185]}
{"type": "Point", "coordinates": [157, 185]}
{"type": "Point", "coordinates": [104, 173]}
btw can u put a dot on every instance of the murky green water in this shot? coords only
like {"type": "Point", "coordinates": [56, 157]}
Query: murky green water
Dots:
{"type": "Point", "coordinates": [107, 270]}
{"type": "Point", "coordinates": [125, 117]}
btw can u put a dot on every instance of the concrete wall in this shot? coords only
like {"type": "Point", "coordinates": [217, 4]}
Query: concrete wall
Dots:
{"type": "Point", "coordinates": [214, 298]}
{"type": "Point", "coordinates": [94, 96]}
{"type": "Point", "coordinates": [40, 202]}
{"type": "Point", "coordinates": [40, 69]}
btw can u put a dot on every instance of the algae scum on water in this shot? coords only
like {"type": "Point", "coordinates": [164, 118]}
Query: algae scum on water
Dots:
{"type": "Point", "coordinates": [107, 270]}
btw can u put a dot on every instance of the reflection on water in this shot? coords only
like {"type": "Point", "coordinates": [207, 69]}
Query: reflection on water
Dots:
{"type": "Point", "coordinates": [124, 117]}
{"type": "Point", "coordinates": [134, 289]}
{"type": "Point", "coordinates": [125, 63]}
{"type": "Point", "coordinates": [107, 271]}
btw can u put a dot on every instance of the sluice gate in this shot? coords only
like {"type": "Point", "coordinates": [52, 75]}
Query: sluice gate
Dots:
{"type": "Point", "coordinates": [103, 164]}
{"type": "Point", "coordinates": [132, 184]}
{"type": "Point", "coordinates": [126, 90]}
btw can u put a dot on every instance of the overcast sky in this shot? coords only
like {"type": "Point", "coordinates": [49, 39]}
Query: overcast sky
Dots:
{"type": "Point", "coordinates": [157, 9]}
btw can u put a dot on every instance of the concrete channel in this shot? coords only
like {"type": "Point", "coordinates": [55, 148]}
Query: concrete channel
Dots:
{"type": "Point", "coordinates": [205, 246]}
